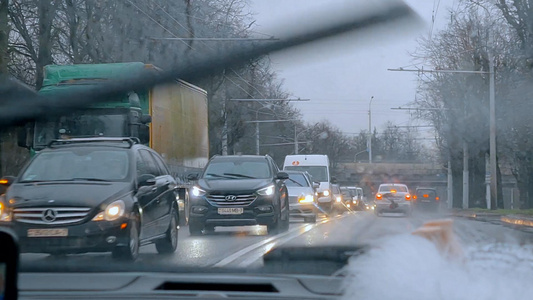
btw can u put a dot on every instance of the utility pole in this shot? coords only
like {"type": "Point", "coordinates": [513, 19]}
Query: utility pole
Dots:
{"type": "Point", "coordinates": [369, 141]}
{"type": "Point", "coordinates": [295, 140]}
{"type": "Point", "coordinates": [466, 174]}
{"type": "Point", "coordinates": [450, 182]}
{"type": "Point", "coordinates": [492, 147]}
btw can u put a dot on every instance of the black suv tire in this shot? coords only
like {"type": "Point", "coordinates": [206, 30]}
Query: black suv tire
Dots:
{"type": "Point", "coordinates": [169, 243]}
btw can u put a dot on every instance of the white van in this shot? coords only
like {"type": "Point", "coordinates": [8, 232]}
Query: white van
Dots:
{"type": "Point", "coordinates": [318, 167]}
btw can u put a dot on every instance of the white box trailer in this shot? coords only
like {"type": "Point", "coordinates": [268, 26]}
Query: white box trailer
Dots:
{"type": "Point", "coordinates": [318, 166]}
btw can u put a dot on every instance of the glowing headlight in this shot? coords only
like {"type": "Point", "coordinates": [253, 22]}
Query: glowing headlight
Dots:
{"type": "Point", "coordinates": [197, 192]}
{"type": "Point", "coordinates": [326, 193]}
{"type": "Point", "coordinates": [112, 212]}
{"type": "Point", "coordinates": [268, 191]}
{"type": "Point", "coordinates": [4, 215]}
{"type": "Point", "coordinates": [338, 199]}
{"type": "Point", "coordinates": [306, 199]}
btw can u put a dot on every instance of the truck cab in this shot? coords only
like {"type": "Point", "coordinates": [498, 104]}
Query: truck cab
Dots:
{"type": "Point", "coordinates": [124, 115]}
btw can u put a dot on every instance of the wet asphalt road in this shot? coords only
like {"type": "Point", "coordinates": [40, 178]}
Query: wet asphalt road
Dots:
{"type": "Point", "coordinates": [243, 247]}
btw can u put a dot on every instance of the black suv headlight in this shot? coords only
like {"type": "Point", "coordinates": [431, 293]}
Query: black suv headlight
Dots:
{"type": "Point", "coordinates": [112, 212]}
{"type": "Point", "coordinates": [267, 191]}
{"type": "Point", "coordinates": [5, 216]}
{"type": "Point", "coordinates": [197, 192]}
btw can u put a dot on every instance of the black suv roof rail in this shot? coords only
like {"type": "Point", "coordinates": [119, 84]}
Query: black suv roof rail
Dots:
{"type": "Point", "coordinates": [130, 140]}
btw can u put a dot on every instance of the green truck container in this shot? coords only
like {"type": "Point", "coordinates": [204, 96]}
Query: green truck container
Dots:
{"type": "Point", "coordinates": [171, 118]}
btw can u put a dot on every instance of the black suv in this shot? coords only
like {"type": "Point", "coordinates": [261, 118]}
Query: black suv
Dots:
{"type": "Point", "coordinates": [93, 195]}
{"type": "Point", "coordinates": [239, 190]}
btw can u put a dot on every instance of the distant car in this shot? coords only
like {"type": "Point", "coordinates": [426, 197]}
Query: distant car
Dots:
{"type": "Point", "coordinates": [339, 205]}
{"type": "Point", "coordinates": [349, 195]}
{"type": "Point", "coordinates": [239, 190]}
{"type": "Point", "coordinates": [426, 198]}
{"type": "Point", "coordinates": [302, 196]}
{"type": "Point", "coordinates": [93, 195]}
{"type": "Point", "coordinates": [393, 198]}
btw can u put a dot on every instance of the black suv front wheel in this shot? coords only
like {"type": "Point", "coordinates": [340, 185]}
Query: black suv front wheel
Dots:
{"type": "Point", "coordinates": [129, 252]}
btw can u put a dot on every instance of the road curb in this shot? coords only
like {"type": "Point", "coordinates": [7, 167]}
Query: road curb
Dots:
{"type": "Point", "coordinates": [514, 221]}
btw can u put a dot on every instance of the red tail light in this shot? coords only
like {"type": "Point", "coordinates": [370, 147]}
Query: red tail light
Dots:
{"type": "Point", "coordinates": [408, 197]}
{"type": "Point", "coordinates": [379, 196]}
{"type": "Point", "coordinates": [437, 198]}
{"type": "Point", "coordinates": [414, 197]}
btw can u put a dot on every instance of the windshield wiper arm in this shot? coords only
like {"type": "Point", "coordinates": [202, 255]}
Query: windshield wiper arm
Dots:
{"type": "Point", "coordinates": [239, 175]}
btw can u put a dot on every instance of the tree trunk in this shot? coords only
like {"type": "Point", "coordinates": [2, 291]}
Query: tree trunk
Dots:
{"type": "Point", "coordinates": [46, 11]}
{"type": "Point", "coordinates": [477, 188]}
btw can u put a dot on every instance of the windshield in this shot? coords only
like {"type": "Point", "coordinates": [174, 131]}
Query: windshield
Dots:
{"type": "Point", "coordinates": [73, 164]}
{"type": "Point", "coordinates": [238, 169]}
{"type": "Point", "coordinates": [80, 125]}
{"type": "Point", "coordinates": [348, 192]}
{"type": "Point", "coordinates": [383, 95]}
{"type": "Point", "coordinates": [296, 180]}
{"type": "Point", "coordinates": [318, 173]}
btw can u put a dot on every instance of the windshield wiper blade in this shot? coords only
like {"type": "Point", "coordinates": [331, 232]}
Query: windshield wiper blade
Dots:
{"type": "Point", "coordinates": [218, 175]}
{"type": "Point", "coordinates": [240, 175]}
{"type": "Point", "coordinates": [89, 179]}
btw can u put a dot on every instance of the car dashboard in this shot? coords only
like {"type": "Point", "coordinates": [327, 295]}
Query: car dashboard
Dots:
{"type": "Point", "coordinates": [147, 285]}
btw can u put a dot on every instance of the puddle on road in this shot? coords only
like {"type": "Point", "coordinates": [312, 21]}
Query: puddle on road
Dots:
{"type": "Point", "coordinates": [410, 267]}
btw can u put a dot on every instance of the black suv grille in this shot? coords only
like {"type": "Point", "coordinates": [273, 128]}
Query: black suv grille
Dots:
{"type": "Point", "coordinates": [50, 215]}
{"type": "Point", "coordinates": [231, 200]}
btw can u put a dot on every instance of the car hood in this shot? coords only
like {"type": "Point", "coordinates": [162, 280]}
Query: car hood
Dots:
{"type": "Point", "coordinates": [66, 194]}
{"type": "Point", "coordinates": [298, 190]}
{"type": "Point", "coordinates": [233, 185]}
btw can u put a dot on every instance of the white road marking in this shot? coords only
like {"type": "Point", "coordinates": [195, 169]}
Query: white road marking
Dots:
{"type": "Point", "coordinates": [268, 244]}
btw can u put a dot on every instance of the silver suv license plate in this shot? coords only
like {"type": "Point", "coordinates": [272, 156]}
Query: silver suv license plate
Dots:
{"type": "Point", "coordinates": [230, 210]}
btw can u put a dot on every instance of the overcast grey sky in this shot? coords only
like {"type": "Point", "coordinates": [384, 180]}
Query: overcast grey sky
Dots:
{"type": "Point", "coordinates": [340, 77]}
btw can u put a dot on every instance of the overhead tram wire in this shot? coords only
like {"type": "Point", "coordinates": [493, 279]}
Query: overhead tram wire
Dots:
{"type": "Point", "coordinates": [210, 47]}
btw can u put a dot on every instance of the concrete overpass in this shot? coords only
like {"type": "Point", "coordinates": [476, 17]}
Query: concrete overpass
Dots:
{"type": "Point", "coordinates": [370, 176]}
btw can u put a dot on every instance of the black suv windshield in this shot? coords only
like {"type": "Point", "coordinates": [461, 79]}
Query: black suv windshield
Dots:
{"type": "Point", "coordinates": [239, 168]}
{"type": "Point", "coordinates": [78, 164]}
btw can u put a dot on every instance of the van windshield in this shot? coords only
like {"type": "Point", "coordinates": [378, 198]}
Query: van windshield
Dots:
{"type": "Point", "coordinates": [319, 173]}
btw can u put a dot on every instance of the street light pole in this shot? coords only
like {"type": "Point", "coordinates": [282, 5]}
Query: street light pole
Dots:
{"type": "Point", "coordinates": [369, 138]}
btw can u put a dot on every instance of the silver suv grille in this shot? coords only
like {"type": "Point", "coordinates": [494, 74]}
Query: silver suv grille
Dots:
{"type": "Point", "coordinates": [50, 215]}
{"type": "Point", "coordinates": [231, 200]}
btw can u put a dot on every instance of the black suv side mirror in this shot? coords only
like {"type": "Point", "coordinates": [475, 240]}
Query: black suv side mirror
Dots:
{"type": "Point", "coordinates": [146, 180]}
{"type": "Point", "coordinates": [7, 180]}
{"type": "Point", "coordinates": [193, 176]}
{"type": "Point", "coordinates": [282, 176]}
